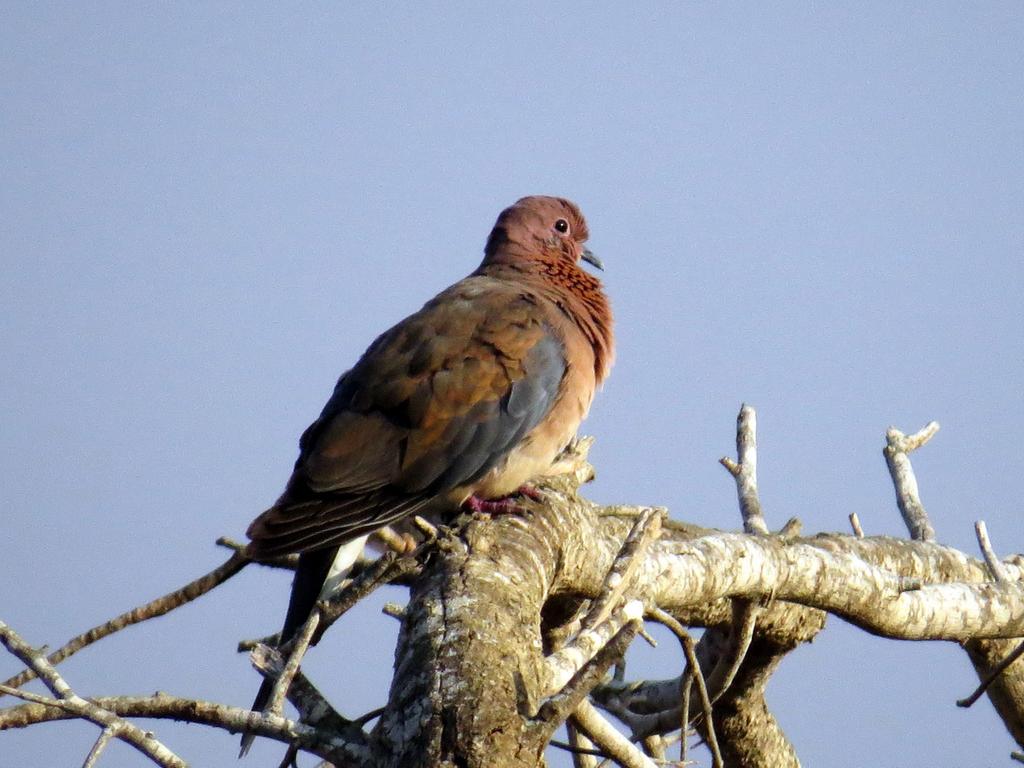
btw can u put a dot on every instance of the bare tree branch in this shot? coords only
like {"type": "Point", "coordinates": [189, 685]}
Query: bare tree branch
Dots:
{"type": "Point", "coordinates": [995, 566]}
{"type": "Point", "coordinates": [284, 562]}
{"type": "Point", "coordinates": [745, 471]}
{"type": "Point", "coordinates": [991, 677]}
{"type": "Point", "coordinates": [896, 449]}
{"type": "Point", "coordinates": [97, 749]}
{"type": "Point", "coordinates": [565, 663]}
{"type": "Point", "coordinates": [556, 708]}
{"type": "Point", "coordinates": [605, 735]}
{"type": "Point", "coordinates": [298, 649]}
{"type": "Point", "coordinates": [839, 580]}
{"type": "Point", "coordinates": [698, 676]}
{"type": "Point", "coordinates": [744, 612]}
{"type": "Point", "coordinates": [70, 702]}
{"type": "Point", "coordinates": [584, 752]}
{"type": "Point", "coordinates": [597, 627]}
{"type": "Point", "coordinates": [313, 707]}
{"type": "Point", "coordinates": [992, 658]}
{"type": "Point", "coordinates": [741, 633]}
{"type": "Point", "coordinates": [341, 750]}
{"type": "Point", "coordinates": [622, 574]}
{"type": "Point", "coordinates": [150, 610]}
{"type": "Point", "coordinates": [384, 570]}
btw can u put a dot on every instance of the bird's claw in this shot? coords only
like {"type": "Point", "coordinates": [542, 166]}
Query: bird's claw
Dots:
{"type": "Point", "coordinates": [505, 505]}
{"type": "Point", "coordinates": [502, 506]}
{"type": "Point", "coordinates": [530, 492]}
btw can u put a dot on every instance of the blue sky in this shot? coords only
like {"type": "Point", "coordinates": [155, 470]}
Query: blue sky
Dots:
{"type": "Point", "coordinates": [208, 211]}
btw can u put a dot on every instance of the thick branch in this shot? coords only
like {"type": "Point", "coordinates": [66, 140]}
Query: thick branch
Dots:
{"type": "Point", "coordinates": [992, 659]}
{"type": "Point", "coordinates": [695, 572]}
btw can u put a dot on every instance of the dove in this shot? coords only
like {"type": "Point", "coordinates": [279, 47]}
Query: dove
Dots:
{"type": "Point", "coordinates": [459, 405]}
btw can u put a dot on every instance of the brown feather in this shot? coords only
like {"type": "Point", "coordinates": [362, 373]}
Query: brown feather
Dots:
{"type": "Point", "coordinates": [423, 418]}
{"type": "Point", "coordinates": [475, 394]}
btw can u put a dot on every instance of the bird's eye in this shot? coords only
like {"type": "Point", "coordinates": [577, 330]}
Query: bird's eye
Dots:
{"type": "Point", "coordinates": [562, 226]}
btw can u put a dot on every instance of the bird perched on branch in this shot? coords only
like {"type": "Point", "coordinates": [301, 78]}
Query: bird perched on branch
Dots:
{"type": "Point", "coordinates": [459, 404]}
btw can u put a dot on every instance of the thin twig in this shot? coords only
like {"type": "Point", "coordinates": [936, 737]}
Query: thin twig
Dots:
{"type": "Point", "coordinates": [791, 530]}
{"type": "Point", "coordinates": [424, 526]}
{"type": "Point", "coordinates": [557, 707]}
{"type": "Point", "coordinates": [71, 702]}
{"type": "Point", "coordinates": [684, 715]}
{"type": "Point", "coordinates": [896, 451]}
{"type": "Point", "coordinates": [299, 647]}
{"type": "Point", "coordinates": [151, 610]}
{"type": "Point", "coordinates": [627, 562]}
{"type": "Point", "coordinates": [744, 471]}
{"type": "Point", "coordinates": [602, 622]}
{"type": "Point", "coordinates": [33, 698]}
{"type": "Point", "coordinates": [562, 664]}
{"type": "Point", "coordinates": [745, 613]}
{"type": "Point", "coordinates": [290, 759]}
{"type": "Point", "coordinates": [400, 543]}
{"type": "Point", "coordinates": [576, 751]}
{"type": "Point", "coordinates": [250, 644]}
{"type": "Point", "coordinates": [995, 565]}
{"type": "Point", "coordinates": [284, 562]}
{"type": "Point", "coordinates": [97, 749]}
{"type": "Point", "coordinates": [691, 659]}
{"type": "Point", "coordinates": [313, 707]}
{"type": "Point", "coordinates": [641, 723]}
{"type": "Point", "coordinates": [744, 619]}
{"type": "Point", "coordinates": [992, 676]}
{"type": "Point", "coordinates": [373, 714]}
{"type": "Point", "coordinates": [348, 747]}
{"type": "Point", "coordinates": [383, 570]}
{"type": "Point", "coordinates": [35, 660]}
{"type": "Point", "coordinates": [647, 637]}
{"type": "Point", "coordinates": [386, 569]}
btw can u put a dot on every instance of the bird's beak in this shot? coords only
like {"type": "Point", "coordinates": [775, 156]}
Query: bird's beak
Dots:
{"type": "Point", "coordinates": [589, 257]}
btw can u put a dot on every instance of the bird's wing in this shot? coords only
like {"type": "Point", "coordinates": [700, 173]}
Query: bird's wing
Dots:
{"type": "Point", "coordinates": [433, 404]}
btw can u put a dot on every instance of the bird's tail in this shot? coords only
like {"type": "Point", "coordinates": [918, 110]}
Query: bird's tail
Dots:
{"type": "Point", "coordinates": [310, 577]}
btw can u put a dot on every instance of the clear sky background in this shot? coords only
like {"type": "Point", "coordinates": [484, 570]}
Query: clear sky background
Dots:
{"type": "Point", "coordinates": [208, 211]}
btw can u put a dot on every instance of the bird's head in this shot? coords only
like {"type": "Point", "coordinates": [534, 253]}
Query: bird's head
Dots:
{"type": "Point", "coordinates": [542, 228]}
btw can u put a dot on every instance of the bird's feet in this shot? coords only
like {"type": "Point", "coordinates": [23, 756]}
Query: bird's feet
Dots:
{"type": "Point", "coordinates": [530, 492]}
{"type": "Point", "coordinates": [505, 505]}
